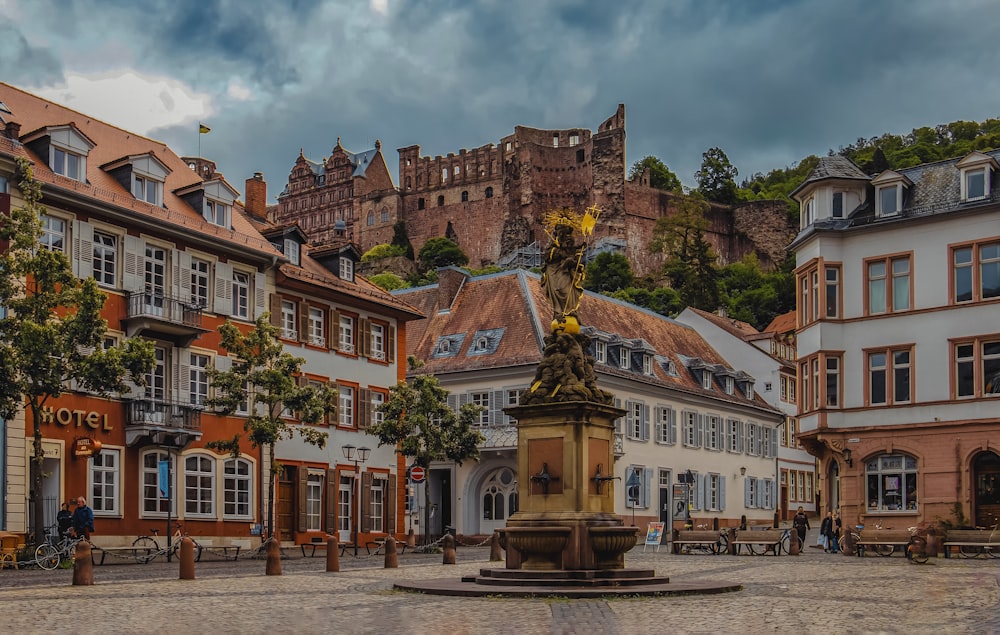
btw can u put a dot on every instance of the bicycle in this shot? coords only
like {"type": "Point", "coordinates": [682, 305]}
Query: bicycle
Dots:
{"type": "Point", "coordinates": [721, 545]}
{"type": "Point", "coordinates": [916, 550]}
{"type": "Point", "coordinates": [782, 545]}
{"type": "Point", "coordinates": [48, 556]}
{"type": "Point", "coordinates": [972, 551]}
{"type": "Point", "coordinates": [145, 549]}
{"type": "Point", "coordinates": [849, 537]}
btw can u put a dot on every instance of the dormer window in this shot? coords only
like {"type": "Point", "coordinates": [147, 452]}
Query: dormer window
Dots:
{"type": "Point", "coordinates": [68, 164]}
{"type": "Point", "coordinates": [292, 251]}
{"type": "Point", "coordinates": [838, 205]}
{"type": "Point", "coordinates": [217, 213]}
{"type": "Point", "coordinates": [647, 364]}
{"type": "Point", "coordinates": [976, 170]}
{"type": "Point", "coordinates": [748, 388]}
{"type": "Point", "coordinates": [481, 344]}
{"type": "Point", "coordinates": [975, 184]}
{"type": "Point", "coordinates": [443, 347]}
{"type": "Point", "coordinates": [146, 189]}
{"type": "Point", "coordinates": [601, 352]}
{"type": "Point", "coordinates": [346, 269]}
{"type": "Point", "coordinates": [809, 213]}
{"type": "Point", "coordinates": [623, 358]}
{"type": "Point", "coordinates": [706, 379]}
{"type": "Point", "coordinates": [888, 200]}
{"type": "Point", "coordinates": [728, 382]}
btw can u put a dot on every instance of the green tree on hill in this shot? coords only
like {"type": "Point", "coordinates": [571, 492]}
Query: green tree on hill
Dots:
{"type": "Point", "coordinates": [660, 175]}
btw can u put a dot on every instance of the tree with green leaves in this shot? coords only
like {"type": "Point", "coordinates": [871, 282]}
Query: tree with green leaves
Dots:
{"type": "Point", "coordinates": [401, 239]}
{"type": "Point", "coordinates": [388, 281]}
{"type": "Point", "coordinates": [52, 331]}
{"type": "Point", "coordinates": [717, 177]}
{"type": "Point", "coordinates": [660, 175]}
{"type": "Point", "coordinates": [441, 252]}
{"type": "Point", "coordinates": [418, 422]}
{"type": "Point", "coordinates": [264, 382]}
{"type": "Point", "coordinates": [608, 272]}
{"type": "Point", "coordinates": [691, 263]}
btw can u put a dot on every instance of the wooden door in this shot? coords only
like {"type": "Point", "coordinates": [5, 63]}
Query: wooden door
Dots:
{"type": "Point", "coordinates": [285, 504]}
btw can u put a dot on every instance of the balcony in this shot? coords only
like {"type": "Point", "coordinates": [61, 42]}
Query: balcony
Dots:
{"type": "Point", "coordinates": [161, 423]}
{"type": "Point", "coordinates": [164, 317]}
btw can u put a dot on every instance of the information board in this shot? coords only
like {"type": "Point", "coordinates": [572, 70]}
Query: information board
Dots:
{"type": "Point", "coordinates": [654, 534]}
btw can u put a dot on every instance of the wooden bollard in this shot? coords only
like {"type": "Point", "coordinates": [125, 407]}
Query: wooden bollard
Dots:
{"type": "Point", "coordinates": [273, 550]}
{"type": "Point", "coordinates": [332, 554]}
{"type": "Point", "coordinates": [391, 557]}
{"type": "Point", "coordinates": [411, 539]}
{"type": "Point", "coordinates": [496, 554]}
{"type": "Point", "coordinates": [83, 565]}
{"type": "Point", "coordinates": [794, 548]}
{"type": "Point", "coordinates": [186, 559]}
{"type": "Point", "coordinates": [449, 549]}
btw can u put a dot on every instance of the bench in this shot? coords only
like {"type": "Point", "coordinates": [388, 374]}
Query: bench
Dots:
{"type": "Point", "coordinates": [971, 543]}
{"type": "Point", "coordinates": [883, 541]}
{"type": "Point", "coordinates": [768, 540]}
{"type": "Point", "coordinates": [311, 547]}
{"type": "Point", "coordinates": [227, 552]}
{"type": "Point", "coordinates": [379, 544]}
{"type": "Point", "coordinates": [706, 538]}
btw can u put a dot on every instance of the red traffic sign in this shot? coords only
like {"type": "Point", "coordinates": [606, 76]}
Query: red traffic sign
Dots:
{"type": "Point", "coordinates": [417, 474]}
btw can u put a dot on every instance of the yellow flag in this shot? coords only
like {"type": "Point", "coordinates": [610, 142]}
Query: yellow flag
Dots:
{"type": "Point", "coordinates": [203, 129]}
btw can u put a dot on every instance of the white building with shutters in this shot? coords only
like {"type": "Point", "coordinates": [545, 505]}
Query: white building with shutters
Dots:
{"type": "Point", "coordinates": [700, 441]}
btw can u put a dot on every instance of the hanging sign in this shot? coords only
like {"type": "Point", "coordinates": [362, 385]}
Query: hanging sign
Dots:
{"type": "Point", "coordinates": [86, 447]}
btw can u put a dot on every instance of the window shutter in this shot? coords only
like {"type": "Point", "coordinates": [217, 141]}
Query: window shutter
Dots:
{"type": "Point", "coordinates": [303, 480]}
{"type": "Point", "coordinates": [463, 399]}
{"type": "Point", "coordinates": [453, 402]}
{"type": "Point", "coordinates": [773, 434]}
{"type": "Point", "coordinates": [390, 505]}
{"type": "Point", "coordinates": [335, 331]}
{"type": "Point", "coordinates": [259, 294]}
{"type": "Point", "coordinates": [722, 493]}
{"type": "Point", "coordinates": [739, 437]}
{"type": "Point", "coordinates": [275, 310]}
{"type": "Point", "coordinates": [83, 249]}
{"type": "Point", "coordinates": [224, 288]}
{"type": "Point", "coordinates": [699, 486]}
{"type": "Point", "coordinates": [182, 375]}
{"type": "Point", "coordinates": [496, 407]}
{"type": "Point", "coordinates": [628, 500]}
{"type": "Point", "coordinates": [647, 488]}
{"type": "Point", "coordinates": [365, 395]}
{"type": "Point", "coordinates": [390, 345]}
{"type": "Point", "coordinates": [364, 337]}
{"type": "Point", "coordinates": [366, 501]}
{"type": "Point", "coordinates": [303, 310]}
{"type": "Point", "coordinates": [773, 488]}
{"type": "Point", "coordinates": [134, 264]}
{"type": "Point", "coordinates": [334, 414]}
{"type": "Point", "coordinates": [645, 422]}
{"type": "Point", "coordinates": [331, 501]}
{"type": "Point", "coordinates": [746, 493]}
{"type": "Point", "coordinates": [182, 284]}
{"type": "Point", "coordinates": [673, 425]}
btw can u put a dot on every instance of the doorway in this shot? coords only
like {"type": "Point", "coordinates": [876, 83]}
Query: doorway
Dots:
{"type": "Point", "coordinates": [986, 489]}
{"type": "Point", "coordinates": [285, 504]}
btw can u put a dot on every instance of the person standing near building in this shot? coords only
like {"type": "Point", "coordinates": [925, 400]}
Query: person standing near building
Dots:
{"type": "Point", "coordinates": [83, 519]}
{"type": "Point", "coordinates": [801, 524]}
{"type": "Point", "coordinates": [64, 520]}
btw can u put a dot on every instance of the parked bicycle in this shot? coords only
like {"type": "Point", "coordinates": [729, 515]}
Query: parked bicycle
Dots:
{"type": "Point", "coordinates": [721, 545]}
{"type": "Point", "coordinates": [48, 556]}
{"type": "Point", "coordinates": [916, 550]}
{"type": "Point", "coordinates": [974, 551]}
{"type": "Point", "coordinates": [145, 549]}
{"type": "Point", "coordinates": [782, 545]}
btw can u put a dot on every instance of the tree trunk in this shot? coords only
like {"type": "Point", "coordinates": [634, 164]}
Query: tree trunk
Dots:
{"type": "Point", "coordinates": [427, 505]}
{"type": "Point", "coordinates": [37, 476]}
{"type": "Point", "coordinates": [270, 492]}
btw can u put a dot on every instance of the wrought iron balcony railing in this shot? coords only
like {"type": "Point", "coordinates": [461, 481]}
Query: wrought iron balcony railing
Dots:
{"type": "Point", "coordinates": [165, 308]}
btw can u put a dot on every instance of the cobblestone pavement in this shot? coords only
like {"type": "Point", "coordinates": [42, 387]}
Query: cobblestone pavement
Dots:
{"type": "Point", "coordinates": [811, 593]}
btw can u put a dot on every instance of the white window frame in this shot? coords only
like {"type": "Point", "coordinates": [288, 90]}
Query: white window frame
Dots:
{"type": "Point", "coordinates": [200, 276]}
{"type": "Point", "coordinates": [690, 429]}
{"type": "Point", "coordinates": [198, 378]}
{"type": "Point", "coordinates": [317, 326]}
{"type": "Point", "coordinates": [600, 352]}
{"type": "Point", "coordinates": [61, 161]}
{"type": "Point", "coordinates": [154, 506]}
{"type": "Point", "coordinates": [733, 431]}
{"type": "Point", "coordinates": [706, 379]}
{"type": "Point", "coordinates": [713, 492]}
{"type": "Point", "coordinates": [633, 420]}
{"type": "Point", "coordinates": [104, 482]}
{"type": "Point", "coordinates": [289, 319]}
{"type": "Point", "coordinates": [200, 494]}
{"type": "Point", "coordinates": [241, 295]}
{"type": "Point", "coordinates": [345, 407]}
{"type": "Point", "coordinates": [314, 501]}
{"type": "Point", "coordinates": [713, 432]}
{"type": "Point", "coordinates": [624, 358]}
{"type": "Point", "coordinates": [216, 213]}
{"type": "Point", "coordinates": [967, 173]}
{"type": "Point", "coordinates": [378, 341]}
{"type": "Point", "coordinates": [147, 189]}
{"type": "Point", "coordinates": [667, 419]}
{"type": "Point", "coordinates": [482, 398]}
{"type": "Point", "coordinates": [347, 334]}
{"type": "Point", "coordinates": [377, 399]}
{"type": "Point", "coordinates": [103, 254]}
{"type": "Point", "coordinates": [51, 237]}
{"type": "Point", "coordinates": [647, 364]}
{"type": "Point", "coordinates": [377, 500]}
{"type": "Point", "coordinates": [880, 208]}
{"type": "Point", "coordinates": [237, 489]}
{"type": "Point", "coordinates": [292, 251]}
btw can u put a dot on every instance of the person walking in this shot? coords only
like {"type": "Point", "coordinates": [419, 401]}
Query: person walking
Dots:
{"type": "Point", "coordinates": [837, 525]}
{"type": "Point", "coordinates": [800, 522]}
{"type": "Point", "coordinates": [827, 537]}
{"type": "Point", "coordinates": [83, 519]}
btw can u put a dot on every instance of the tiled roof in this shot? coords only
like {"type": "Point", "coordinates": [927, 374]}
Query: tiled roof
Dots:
{"type": "Point", "coordinates": [833, 167]}
{"type": "Point", "coordinates": [735, 327]}
{"type": "Point", "coordinates": [781, 324]}
{"type": "Point", "coordinates": [515, 300]}
{"type": "Point", "coordinates": [111, 144]}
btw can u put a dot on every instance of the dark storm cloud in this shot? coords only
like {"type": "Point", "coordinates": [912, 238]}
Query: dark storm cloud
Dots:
{"type": "Point", "coordinates": [22, 63]}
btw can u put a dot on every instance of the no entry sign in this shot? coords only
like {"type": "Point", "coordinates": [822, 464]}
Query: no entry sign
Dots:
{"type": "Point", "coordinates": [417, 474]}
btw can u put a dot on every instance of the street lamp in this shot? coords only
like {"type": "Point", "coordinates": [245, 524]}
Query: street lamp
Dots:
{"type": "Point", "coordinates": [357, 456]}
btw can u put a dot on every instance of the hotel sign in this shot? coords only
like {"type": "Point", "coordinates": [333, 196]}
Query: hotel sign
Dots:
{"type": "Point", "coordinates": [86, 447]}
{"type": "Point", "coordinates": [77, 418]}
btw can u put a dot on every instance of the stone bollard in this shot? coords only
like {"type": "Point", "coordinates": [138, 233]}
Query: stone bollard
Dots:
{"type": "Point", "coordinates": [496, 554]}
{"type": "Point", "coordinates": [794, 548]}
{"type": "Point", "coordinates": [83, 565]}
{"type": "Point", "coordinates": [411, 539]}
{"type": "Point", "coordinates": [273, 550]}
{"type": "Point", "coordinates": [391, 557]}
{"type": "Point", "coordinates": [332, 554]}
{"type": "Point", "coordinates": [449, 549]}
{"type": "Point", "coordinates": [186, 558]}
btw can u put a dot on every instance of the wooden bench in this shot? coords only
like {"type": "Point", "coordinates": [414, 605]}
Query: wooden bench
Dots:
{"type": "Point", "coordinates": [379, 544]}
{"type": "Point", "coordinates": [883, 541]}
{"type": "Point", "coordinates": [706, 538]}
{"type": "Point", "coordinates": [768, 540]}
{"type": "Point", "coordinates": [972, 543]}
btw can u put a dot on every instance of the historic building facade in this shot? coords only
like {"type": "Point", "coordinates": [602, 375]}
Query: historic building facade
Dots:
{"type": "Point", "coordinates": [898, 280]}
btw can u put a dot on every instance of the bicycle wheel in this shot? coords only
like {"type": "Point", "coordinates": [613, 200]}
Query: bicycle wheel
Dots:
{"type": "Point", "coordinates": [884, 550]}
{"type": "Point", "coordinates": [47, 557]}
{"type": "Point", "coordinates": [723, 546]}
{"type": "Point", "coordinates": [755, 550]}
{"type": "Point", "coordinates": [918, 553]}
{"type": "Point", "coordinates": [144, 549]}
{"type": "Point", "coordinates": [783, 544]}
{"type": "Point", "coordinates": [969, 551]}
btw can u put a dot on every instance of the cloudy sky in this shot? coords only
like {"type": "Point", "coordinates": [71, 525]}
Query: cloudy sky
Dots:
{"type": "Point", "coordinates": [768, 81]}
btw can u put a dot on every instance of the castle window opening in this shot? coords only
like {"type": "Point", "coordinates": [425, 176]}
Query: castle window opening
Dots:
{"type": "Point", "coordinates": [440, 200]}
{"type": "Point", "coordinates": [574, 139]}
{"type": "Point", "coordinates": [420, 203]}
{"type": "Point", "coordinates": [407, 182]}
{"type": "Point", "coordinates": [371, 218]}
{"type": "Point", "coordinates": [579, 156]}
{"type": "Point", "coordinates": [385, 214]}
{"type": "Point", "coordinates": [456, 170]}
{"type": "Point", "coordinates": [489, 192]}
{"type": "Point", "coordinates": [444, 174]}
{"type": "Point", "coordinates": [465, 196]}
{"type": "Point", "coordinates": [555, 141]}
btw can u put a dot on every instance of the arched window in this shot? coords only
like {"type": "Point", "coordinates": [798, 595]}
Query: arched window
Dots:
{"type": "Point", "coordinates": [199, 486]}
{"type": "Point", "coordinates": [891, 483]}
{"type": "Point", "coordinates": [489, 192]}
{"type": "Point", "coordinates": [237, 488]}
{"type": "Point", "coordinates": [385, 214]}
{"type": "Point", "coordinates": [465, 196]}
{"type": "Point", "coordinates": [371, 219]}
{"type": "Point", "coordinates": [440, 200]}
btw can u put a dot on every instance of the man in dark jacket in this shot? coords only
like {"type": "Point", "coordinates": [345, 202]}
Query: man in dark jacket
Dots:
{"type": "Point", "coordinates": [64, 519]}
{"type": "Point", "coordinates": [801, 523]}
{"type": "Point", "coordinates": [83, 519]}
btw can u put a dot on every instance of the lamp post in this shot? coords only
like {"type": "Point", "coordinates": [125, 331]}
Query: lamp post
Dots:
{"type": "Point", "coordinates": [357, 456]}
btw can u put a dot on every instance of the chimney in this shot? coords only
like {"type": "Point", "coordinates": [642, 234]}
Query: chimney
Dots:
{"type": "Point", "coordinates": [450, 281]}
{"type": "Point", "coordinates": [13, 130]}
{"type": "Point", "coordinates": [256, 193]}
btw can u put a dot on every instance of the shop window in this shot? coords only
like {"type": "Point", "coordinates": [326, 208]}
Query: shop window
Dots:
{"type": "Point", "coordinates": [891, 483]}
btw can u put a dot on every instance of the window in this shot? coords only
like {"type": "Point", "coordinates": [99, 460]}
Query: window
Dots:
{"type": "Point", "coordinates": [317, 326]}
{"type": "Point", "coordinates": [977, 368]}
{"type": "Point", "coordinates": [346, 334]}
{"type": "Point", "coordinates": [152, 503]}
{"type": "Point", "coordinates": [346, 269]}
{"type": "Point", "coordinates": [633, 420]}
{"type": "Point", "coordinates": [156, 380]}
{"type": "Point", "coordinates": [199, 282]}
{"type": "Point", "coordinates": [456, 170]}
{"type": "Point", "coordinates": [887, 198]}
{"type": "Point", "coordinates": [378, 399]}
{"type": "Point", "coordinates": [706, 379]}
{"type": "Point", "coordinates": [241, 295]}
{"type": "Point", "coordinates": [692, 432]}
{"type": "Point", "coordinates": [832, 292]}
{"type": "Point", "coordinates": [600, 352]}
{"type": "Point", "coordinates": [888, 284]}
{"type": "Point", "coordinates": [378, 342]}
{"type": "Point", "coordinates": [441, 200]}
{"type": "Point", "coordinates": [976, 271]}
{"type": "Point", "coordinates": [105, 482]}
{"type": "Point", "coordinates": [666, 425]}
{"type": "Point", "coordinates": [465, 196]}
{"type": "Point", "coordinates": [555, 141]}
{"type": "Point", "coordinates": [105, 258]}
{"type": "Point", "coordinates": [68, 164]}
{"type": "Point", "coordinates": [889, 377]}
{"type": "Point", "coordinates": [832, 381]}
{"type": "Point", "coordinates": [489, 192]}
{"type": "Point", "coordinates": [370, 219]}
{"type": "Point", "coordinates": [292, 251]}
{"type": "Point", "coordinates": [809, 213]}
{"type": "Point", "coordinates": [420, 203]}
{"type": "Point", "coordinates": [891, 483]}
{"type": "Point", "coordinates": [482, 399]}
{"type": "Point", "coordinates": [288, 320]}
{"type": "Point", "coordinates": [377, 508]}
{"type": "Point", "coordinates": [146, 189]}
{"type": "Point", "coordinates": [53, 235]}
{"type": "Point", "coordinates": [752, 443]}
{"type": "Point", "coordinates": [734, 435]}
{"type": "Point", "coordinates": [236, 488]}
{"type": "Point", "coordinates": [729, 383]}
{"type": "Point", "coordinates": [574, 139]}
{"type": "Point", "coordinates": [838, 205]}
{"type": "Point", "coordinates": [199, 378]}
{"type": "Point", "coordinates": [647, 364]}
{"type": "Point", "coordinates": [975, 184]}
{"type": "Point", "coordinates": [217, 213]}
{"type": "Point", "coordinates": [713, 432]}
{"type": "Point", "coordinates": [714, 492]}
{"type": "Point", "coordinates": [199, 486]}
{"type": "Point", "coordinates": [345, 409]}
{"type": "Point", "coordinates": [385, 215]}
{"type": "Point", "coordinates": [314, 502]}
{"type": "Point", "coordinates": [624, 358]}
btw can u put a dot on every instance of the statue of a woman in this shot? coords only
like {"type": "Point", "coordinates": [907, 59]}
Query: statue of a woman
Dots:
{"type": "Point", "coordinates": [562, 278]}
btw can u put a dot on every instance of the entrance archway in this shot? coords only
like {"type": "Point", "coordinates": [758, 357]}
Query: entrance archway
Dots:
{"type": "Point", "coordinates": [498, 499]}
{"type": "Point", "coordinates": [986, 489]}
